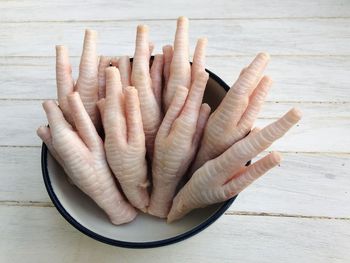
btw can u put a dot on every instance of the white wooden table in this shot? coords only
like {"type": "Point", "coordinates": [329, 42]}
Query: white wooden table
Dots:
{"type": "Point", "coordinates": [299, 212]}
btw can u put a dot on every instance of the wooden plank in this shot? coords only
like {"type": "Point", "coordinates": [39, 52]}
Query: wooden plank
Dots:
{"type": "Point", "coordinates": [20, 174]}
{"type": "Point", "coordinates": [321, 79]}
{"type": "Point", "coordinates": [298, 78]}
{"type": "Point", "coordinates": [41, 235]}
{"type": "Point", "coordinates": [66, 10]}
{"type": "Point", "coordinates": [304, 184]}
{"type": "Point", "coordinates": [226, 37]}
{"type": "Point", "coordinates": [21, 118]}
{"type": "Point", "coordinates": [310, 44]}
{"type": "Point", "coordinates": [298, 186]}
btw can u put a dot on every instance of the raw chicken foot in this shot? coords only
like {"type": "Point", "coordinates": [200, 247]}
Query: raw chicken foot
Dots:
{"type": "Point", "coordinates": [149, 91]}
{"type": "Point", "coordinates": [178, 137]}
{"type": "Point", "coordinates": [125, 139]}
{"type": "Point", "coordinates": [236, 114]}
{"type": "Point", "coordinates": [82, 156]}
{"type": "Point", "coordinates": [222, 178]}
{"type": "Point", "coordinates": [87, 84]}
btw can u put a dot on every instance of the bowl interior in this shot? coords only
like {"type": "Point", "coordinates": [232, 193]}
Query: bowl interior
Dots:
{"type": "Point", "coordinates": [85, 215]}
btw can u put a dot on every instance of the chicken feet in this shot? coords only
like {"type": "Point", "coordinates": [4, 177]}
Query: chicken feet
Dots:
{"type": "Point", "coordinates": [87, 83]}
{"type": "Point", "coordinates": [149, 93]}
{"type": "Point", "coordinates": [177, 139]}
{"type": "Point", "coordinates": [82, 156]}
{"type": "Point", "coordinates": [236, 114]}
{"type": "Point", "coordinates": [224, 177]}
{"type": "Point", "coordinates": [125, 139]}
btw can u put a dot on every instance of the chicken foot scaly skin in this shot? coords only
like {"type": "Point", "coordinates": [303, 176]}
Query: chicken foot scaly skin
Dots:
{"type": "Point", "coordinates": [83, 158]}
{"type": "Point", "coordinates": [236, 114]}
{"type": "Point", "coordinates": [198, 73]}
{"type": "Point", "coordinates": [179, 68]}
{"type": "Point", "coordinates": [168, 52]}
{"type": "Point", "coordinates": [87, 83]}
{"type": "Point", "coordinates": [105, 62]}
{"type": "Point", "coordinates": [125, 139]}
{"type": "Point", "coordinates": [177, 142]}
{"type": "Point", "coordinates": [224, 177]}
{"type": "Point", "coordinates": [124, 66]}
{"type": "Point", "coordinates": [44, 134]}
{"type": "Point", "coordinates": [65, 83]}
{"type": "Point", "coordinates": [141, 80]}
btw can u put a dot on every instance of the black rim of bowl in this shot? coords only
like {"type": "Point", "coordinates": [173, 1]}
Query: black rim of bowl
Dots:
{"type": "Point", "coordinates": [126, 244]}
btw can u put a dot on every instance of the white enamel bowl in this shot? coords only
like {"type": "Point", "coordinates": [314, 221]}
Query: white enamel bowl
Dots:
{"type": "Point", "coordinates": [145, 231]}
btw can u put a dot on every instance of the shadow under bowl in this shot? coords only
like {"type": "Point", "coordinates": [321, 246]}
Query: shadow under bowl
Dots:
{"type": "Point", "coordinates": [145, 231]}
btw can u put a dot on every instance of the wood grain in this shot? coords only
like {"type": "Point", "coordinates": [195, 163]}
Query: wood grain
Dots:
{"type": "Point", "coordinates": [226, 37]}
{"type": "Point", "coordinates": [65, 10]}
{"type": "Point", "coordinates": [41, 235]}
{"type": "Point", "coordinates": [310, 46]}
{"type": "Point", "coordinates": [299, 79]}
{"type": "Point", "coordinates": [304, 184]}
{"type": "Point", "coordinates": [20, 175]}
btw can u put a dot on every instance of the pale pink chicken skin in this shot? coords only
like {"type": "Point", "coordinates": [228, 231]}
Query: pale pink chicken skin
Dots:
{"type": "Point", "coordinates": [231, 122]}
{"type": "Point", "coordinates": [156, 73]}
{"type": "Point", "coordinates": [236, 114]}
{"type": "Point", "coordinates": [168, 52]}
{"type": "Point", "coordinates": [105, 62]}
{"type": "Point", "coordinates": [179, 68]}
{"type": "Point", "coordinates": [198, 56]}
{"type": "Point", "coordinates": [141, 80]}
{"type": "Point", "coordinates": [177, 144]}
{"type": "Point", "coordinates": [44, 134]}
{"type": "Point", "coordinates": [125, 139]}
{"type": "Point", "coordinates": [124, 66]}
{"type": "Point", "coordinates": [81, 154]}
{"type": "Point", "coordinates": [225, 176]}
{"type": "Point", "coordinates": [178, 137]}
{"type": "Point", "coordinates": [87, 83]}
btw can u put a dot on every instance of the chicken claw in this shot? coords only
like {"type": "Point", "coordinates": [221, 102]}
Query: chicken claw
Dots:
{"type": "Point", "coordinates": [176, 143]}
{"type": "Point", "coordinates": [82, 154]}
{"type": "Point", "coordinates": [87, 84]}
{"type": "Point", "coordinates": [224, 177]}
{"type": "Point", "coordinates": [167, 58]}
{"type": "Point", "coordinates": [156, 73]}
{"type": "Point", "coordinates": [141, 80]}
{"type": "Point", "coordinates": [104, 63]}
{"type": "Point", "coordinates": [180, 69]}
{"type": "Point", "coordinates": [236, 114]}
{"type": "Point", "coordinates": [124, 67]}
{"type": "Point", "coordinates": [125, 139]}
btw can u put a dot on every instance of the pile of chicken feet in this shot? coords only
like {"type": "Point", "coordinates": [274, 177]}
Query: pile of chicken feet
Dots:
{"type": "Point", "coordinates": [123, 125]}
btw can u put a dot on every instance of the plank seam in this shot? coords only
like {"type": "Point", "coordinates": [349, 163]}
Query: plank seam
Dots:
{"type": "Point", "coordinates": [229, 213]}
{"type": "Point", "coordinates": [175, 18]}
{"type": "Point", "coordinates": [247, 213]}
